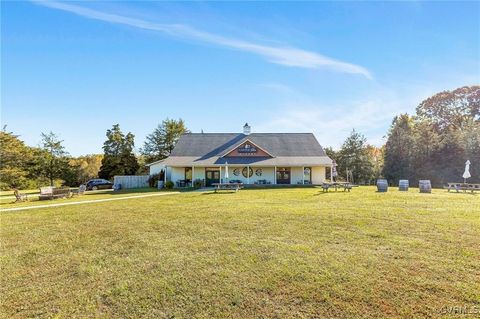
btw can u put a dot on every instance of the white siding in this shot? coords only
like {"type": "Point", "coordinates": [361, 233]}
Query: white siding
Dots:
{"type": "Point", "coordinates": [267, 174]}
{"type": "Point", "coordinates": [156, 168]}
{"type": "Point", "coordinates": [318, 174]}
{"type": "Point", "coordinates": [176, 174]}
{"type": "Point", "coordinates": [199, 173]}
{"type": "Point", "coordinates": [296, 175]}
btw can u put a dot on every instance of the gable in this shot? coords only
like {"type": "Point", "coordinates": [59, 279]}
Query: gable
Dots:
{"type": "Point", "coordinates": [247, 149]}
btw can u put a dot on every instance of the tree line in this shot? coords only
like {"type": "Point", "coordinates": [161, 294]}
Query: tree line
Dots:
{"type": "Point", "coordinates": [432, 144]}
{"type": "Point", "coordinates": [27, 167]}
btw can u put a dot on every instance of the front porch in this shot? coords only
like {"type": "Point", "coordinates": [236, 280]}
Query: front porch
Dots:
{"type": "Point", "coordinates": [248, 175]}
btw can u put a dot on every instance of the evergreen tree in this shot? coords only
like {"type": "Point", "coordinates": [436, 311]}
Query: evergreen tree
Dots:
{"type": "Point", "coordinates": [426, 142]}
{"type": "Point", "coordinates": [354, 156]}
{"type": "Point", "coordinates": [118, 158]}
{"type": "Point", "coordinates": [160, 143]}
{"type": "Point", "coordinates": [398, 149]}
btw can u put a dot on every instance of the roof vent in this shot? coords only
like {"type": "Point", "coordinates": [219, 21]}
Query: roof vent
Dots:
{"type": "Point", "coordinates": [246, 129]}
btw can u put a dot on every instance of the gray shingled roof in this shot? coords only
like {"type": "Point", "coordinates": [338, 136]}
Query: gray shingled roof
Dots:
{"type": "Point", "coordinates": [254, 161]}
{"type": "Point", "coordinates": [207, 145]}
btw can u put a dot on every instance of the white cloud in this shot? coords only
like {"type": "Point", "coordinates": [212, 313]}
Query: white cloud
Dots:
{"type": "Point", "coordinates": [288, 56]}
{"type": "Point", "coordinates": [332, 123]}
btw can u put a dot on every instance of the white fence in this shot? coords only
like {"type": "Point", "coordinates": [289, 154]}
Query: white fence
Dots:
{"type": "Point", "coordinates": [131, 181]}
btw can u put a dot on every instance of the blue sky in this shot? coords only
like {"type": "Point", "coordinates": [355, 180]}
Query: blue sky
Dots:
{"type": "Point", "coordinates": [76, 68]}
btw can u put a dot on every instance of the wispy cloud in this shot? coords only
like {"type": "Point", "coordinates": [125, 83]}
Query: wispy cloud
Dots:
{"type": "Point", "coordinates": [370, 114]}
{"type": "Point", "coordinates": [288, 56]}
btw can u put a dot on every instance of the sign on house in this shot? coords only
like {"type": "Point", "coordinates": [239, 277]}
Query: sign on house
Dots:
{"type": "Point", "coordinates": [247, 149]}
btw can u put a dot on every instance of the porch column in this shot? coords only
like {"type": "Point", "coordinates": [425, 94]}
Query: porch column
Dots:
{"type": "Point", "coordinates": [165, 175]}
{"type": "Point", "coordinates": [193, 174]}
{"type": "Point", "coordinates": [220, 174]}
{"type": "Point", "coordinates": [331, 173]}
{"type": "Point", "coordinates": [275, 176]}
{"type": "Point", "coordinates": [248, 174]}
{"type": "Point", "coordinates": [303, 174]}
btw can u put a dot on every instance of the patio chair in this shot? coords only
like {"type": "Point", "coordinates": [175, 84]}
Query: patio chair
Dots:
{"type": "Point", "coordinates": [19, 197]}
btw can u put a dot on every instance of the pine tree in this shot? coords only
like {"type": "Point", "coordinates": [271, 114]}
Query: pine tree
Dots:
{"type": "Point", "coordinates": [160, 143]}
{"type": "Point", "coordinates": [399, 149]}
{"type": "Point", "coordinates": [118, 158]}
{"type": "Point", "coordinates": [354, 156]}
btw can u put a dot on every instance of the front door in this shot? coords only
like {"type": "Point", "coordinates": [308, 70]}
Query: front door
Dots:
{"type": "Point", "coordinates": [283, 175]}
{"type": "Point", "coordinates": [211, 176]}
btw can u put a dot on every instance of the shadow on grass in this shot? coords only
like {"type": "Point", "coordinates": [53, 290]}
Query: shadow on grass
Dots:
{"type": "Point", "coordinates": [219, 193]}
{"type": "Point", "coordinates": [92, 195]}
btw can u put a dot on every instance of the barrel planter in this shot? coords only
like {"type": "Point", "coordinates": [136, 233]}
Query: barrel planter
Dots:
{"type": "Point", "coordinates": [403, 185]}
{"type": "Point", "coordinates": [382, 185]}
{"type": "Point", "coordinates": [425, 186]}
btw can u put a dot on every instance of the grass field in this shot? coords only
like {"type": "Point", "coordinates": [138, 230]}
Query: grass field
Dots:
{"type": "Point", "coordinates": [9, 202]}
{"type": "Point", "coordinates": [288, 253]}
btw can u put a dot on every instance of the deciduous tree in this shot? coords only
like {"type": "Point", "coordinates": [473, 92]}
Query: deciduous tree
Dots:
{"type": "Point", "coordinates": [52, 158]}
{"type": "Point", "coordinates": [15, 161]}
{"type": "Point", "coordinates": [452, 108]}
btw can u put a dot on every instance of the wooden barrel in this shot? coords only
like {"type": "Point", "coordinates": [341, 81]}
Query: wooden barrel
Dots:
{"type": "Point", "coordinates": [425, 186]}
{"type": "Point", "coordinates": [382, 185]}
{"type": "Point", "coordinates": [403, 185]}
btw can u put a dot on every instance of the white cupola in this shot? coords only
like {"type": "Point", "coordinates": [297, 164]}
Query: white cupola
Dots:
{"type": "Point", "coordinates": [246, 129]}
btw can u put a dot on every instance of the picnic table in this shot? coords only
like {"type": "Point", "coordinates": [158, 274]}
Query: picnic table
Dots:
{"type": "Point", "coordinates": [227, 186]}
{"type": "Point", "coordinates": [347, 186]}
{"type": "Point", "coordinates": [463, 187]}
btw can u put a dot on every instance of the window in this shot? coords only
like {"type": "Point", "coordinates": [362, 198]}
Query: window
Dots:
{"type": "Point", "coordinates": [307, 175]}
{"type": "Point", "coordinates": [247, 170]}
{"type": "Point", "coordinates": [188, 173]}
{"type": "Point", "coordinates": [283, 175]}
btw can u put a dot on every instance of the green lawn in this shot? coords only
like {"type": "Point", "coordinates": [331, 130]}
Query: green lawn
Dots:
{"type": "Point", "coordinates": [9, 202]}
{"type": "Point", "coordinates": [287, 253]}
{"type": "Point", "coordinates": [26, 191]}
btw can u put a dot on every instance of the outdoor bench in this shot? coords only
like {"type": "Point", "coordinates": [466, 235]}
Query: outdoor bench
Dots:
{"type": "Point", "coordinates": [54, 193]}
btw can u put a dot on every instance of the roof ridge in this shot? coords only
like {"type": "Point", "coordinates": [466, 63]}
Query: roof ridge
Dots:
{"type": "Point", "coordinates": [273, 133]}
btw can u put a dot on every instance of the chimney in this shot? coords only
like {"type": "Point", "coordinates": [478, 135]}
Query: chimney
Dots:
{"type": "Point", "coordinates": [246, 129]}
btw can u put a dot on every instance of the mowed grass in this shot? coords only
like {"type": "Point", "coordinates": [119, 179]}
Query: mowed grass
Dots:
{"type": "Point", "coordinates": [263, 253]}
{"type": "Point", "coordinates": [9, 201]}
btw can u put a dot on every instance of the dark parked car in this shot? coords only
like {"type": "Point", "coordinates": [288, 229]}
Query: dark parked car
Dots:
{"type": "Point", "coordinates": [94, 184]}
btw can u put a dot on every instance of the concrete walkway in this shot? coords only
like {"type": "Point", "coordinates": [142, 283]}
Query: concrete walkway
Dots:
{"type": "Point", "coordinates": [86, 202]}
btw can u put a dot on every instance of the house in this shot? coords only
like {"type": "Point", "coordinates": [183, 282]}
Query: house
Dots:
{"type": "Point", "coordinates": [252, 158]}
